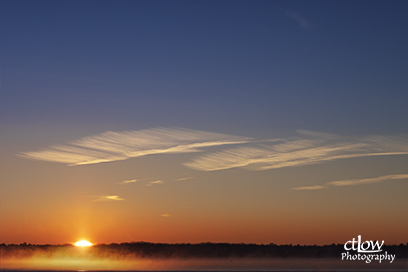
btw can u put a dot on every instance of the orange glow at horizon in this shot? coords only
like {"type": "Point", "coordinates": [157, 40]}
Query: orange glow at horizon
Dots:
{"type": "Point", "coordinates": [83, 243]}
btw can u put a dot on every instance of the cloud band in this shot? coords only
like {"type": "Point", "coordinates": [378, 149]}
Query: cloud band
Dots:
{"type": "Point", "coordinates": [113, 146]}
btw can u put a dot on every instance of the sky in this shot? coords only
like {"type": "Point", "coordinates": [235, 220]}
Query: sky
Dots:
{"type": "Point", "coordinates": [203, 121]}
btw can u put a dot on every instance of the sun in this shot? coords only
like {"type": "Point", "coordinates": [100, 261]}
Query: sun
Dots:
{"type": "Point", "coordinates": [83, 243]}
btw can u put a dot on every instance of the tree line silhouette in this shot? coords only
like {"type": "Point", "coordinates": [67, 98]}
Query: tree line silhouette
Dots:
{"type": "Point", "coordinates": [187, 250]}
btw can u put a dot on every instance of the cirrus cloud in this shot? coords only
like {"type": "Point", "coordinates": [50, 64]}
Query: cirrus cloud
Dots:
{"type": "Point", "coordinates": [113, 146]}
{"type": "Point", "coordinates": [128, 181]}
{"type": "Point", "coordinates": [306, 149]}
{"type": "Point", "coordinates": [310, 148]}
{"type": "Point", "coordinates": [108, 198]}
{"type": "Point", "coordinates": [352, 182]}
{"type": "Point", "coordinates": [151, 183]}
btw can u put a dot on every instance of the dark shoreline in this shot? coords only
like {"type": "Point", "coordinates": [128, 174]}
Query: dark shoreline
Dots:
{"type": "Point", "coordinates": [194, 251]}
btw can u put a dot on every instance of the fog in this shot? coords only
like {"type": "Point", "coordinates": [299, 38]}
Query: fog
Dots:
{"type": "Point", "coordinates": [184, 257]}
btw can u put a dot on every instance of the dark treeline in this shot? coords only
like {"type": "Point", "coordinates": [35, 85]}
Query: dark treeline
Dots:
{"type": "Point", "coordinates": [202, 250]}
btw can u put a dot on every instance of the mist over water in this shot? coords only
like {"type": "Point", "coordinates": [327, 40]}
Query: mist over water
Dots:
{"type": "Point", "coordinates": [111, 264]}
{"type": "Point", "coordinates": [122, 258]}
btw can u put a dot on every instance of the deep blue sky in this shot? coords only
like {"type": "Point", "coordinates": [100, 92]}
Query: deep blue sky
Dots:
{"type": "Point", "coordinates": [221, 65]}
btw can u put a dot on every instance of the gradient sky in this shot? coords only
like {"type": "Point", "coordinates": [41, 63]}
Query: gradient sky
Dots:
{"type": "Point", "coordinates": [195, 121]}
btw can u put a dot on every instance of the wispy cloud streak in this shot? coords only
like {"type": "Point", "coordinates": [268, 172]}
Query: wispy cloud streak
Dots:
{"type": "Point", "coordinates": [302, 22]}
{"type": "Point", "coordinates": [309, 188]}
{"type": "Point", "coordinates": [113, 146]}
{"type": "Point", "coordinates": [310, 148]}
{"type": "Point", "coordinates": [128, 181]}
{"type": "Point", "coordinates": [151, 183]}
{"type": "Point", "coordinates": [184, 178]}
{"type": "Point", "coordinates": [108, 198]}
{"type": "Point", "coordinates": [351, 182]}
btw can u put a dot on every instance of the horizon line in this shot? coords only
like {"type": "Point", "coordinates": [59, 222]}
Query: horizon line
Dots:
{"type": "Point", "coordinates": [189, 243]}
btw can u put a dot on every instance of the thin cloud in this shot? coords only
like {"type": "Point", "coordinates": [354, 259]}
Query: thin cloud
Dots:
{"type": "Point", "coordinates": [185, 178]}
{"type": "Point", "coordinates": [128, 181]}
{"type": "Point", "coordinates": [352, 182]}
{"type": "Point", "coordinates": [309, 188]}
{"type": "Point", "coordinates": [165, 215]}
{"type": "Point", "coordinates": [151, 183]}
{"type": "Point", "coordinates": [113, 146]}
{"type": "Point", "coordinates": [310, 148]}
{"type": "Point", "coordinates": [301, 21]}
{"type": "Point", "coordinates": [108, 198]}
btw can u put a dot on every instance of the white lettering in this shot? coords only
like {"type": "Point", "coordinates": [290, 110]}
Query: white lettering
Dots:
{"type": "Point", "coordinates": [362, 246]}
{"type": "Point", "coordinates": [392, 257]}
{"type": "Point", "coordinates": [345, 245]}
{"type": "Point", "coordinates": [373, 246]}
{"type": "Point", "coordinates": [366, 247]}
